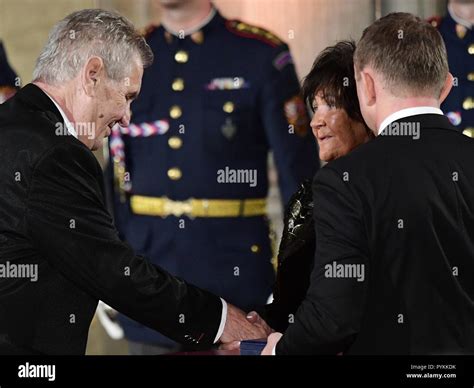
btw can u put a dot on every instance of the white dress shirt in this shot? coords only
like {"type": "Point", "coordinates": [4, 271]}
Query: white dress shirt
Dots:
{"type": "Point", "coordinates": [419, 110]}
{"type": "Point", "coordinates": [223, 320]}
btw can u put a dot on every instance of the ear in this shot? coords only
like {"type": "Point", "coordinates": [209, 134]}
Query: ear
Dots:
{"type": "Point", "coordinates": [448, 84]}
{"type": "Point", "coordinates": [368, 87]}
{"type": "Point", "coordinates": [91, 75]}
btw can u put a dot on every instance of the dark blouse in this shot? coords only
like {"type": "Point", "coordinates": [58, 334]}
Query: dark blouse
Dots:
{"type": "Point", "coordinates": [295, 260]}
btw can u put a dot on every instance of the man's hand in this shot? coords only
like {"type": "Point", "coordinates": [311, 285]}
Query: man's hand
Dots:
{"type": "Point", "coordinates": [271, 344]}
{"type": "Point", "coordinates": [237, 328]}
{"type": "Point", "coordinates": [256, 319]}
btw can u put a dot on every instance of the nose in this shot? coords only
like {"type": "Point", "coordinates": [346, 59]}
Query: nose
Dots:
{"type": "Point", "coordinates": [125, 120]}
{"type": "Point", "coordinates": [317, 122]}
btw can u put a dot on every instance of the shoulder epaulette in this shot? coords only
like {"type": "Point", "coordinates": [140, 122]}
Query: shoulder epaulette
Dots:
{"type": "Point", "coordinates": [146, 31]}
{"type": "Point", "coordinates": [246, 30]}
{"type": "Point", "coordinates": [435, 21]}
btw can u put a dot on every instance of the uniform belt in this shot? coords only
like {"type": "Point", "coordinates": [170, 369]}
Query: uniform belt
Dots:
{"type": "Point", "coordinates": [163, 207]}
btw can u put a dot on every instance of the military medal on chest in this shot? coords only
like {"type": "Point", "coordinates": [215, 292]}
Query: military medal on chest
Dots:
{"type": "Point", "coordinates": [229, 129]}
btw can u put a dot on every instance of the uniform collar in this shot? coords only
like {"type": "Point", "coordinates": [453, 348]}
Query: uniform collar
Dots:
{"type": "Point", "coordinates": [191, 31]}
{"type": "Point", "coordinates": [198, 32]}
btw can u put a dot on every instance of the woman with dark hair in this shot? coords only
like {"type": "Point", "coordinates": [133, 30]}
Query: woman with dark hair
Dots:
{"type": "Point", "coordinates": [338, 127]}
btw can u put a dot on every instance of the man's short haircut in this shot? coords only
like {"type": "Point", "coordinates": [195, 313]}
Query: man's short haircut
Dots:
{"type": "Point", "coordinates": [408, 52]}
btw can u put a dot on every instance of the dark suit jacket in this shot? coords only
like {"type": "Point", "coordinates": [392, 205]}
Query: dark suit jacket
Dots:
{"type": "Point", "coordinates": [53, 216]}
{"type": "Point", "coordinates": [404, 210]}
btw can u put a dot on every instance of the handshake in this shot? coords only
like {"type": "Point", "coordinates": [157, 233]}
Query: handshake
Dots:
{"type": "Point", "coordinates": [240, 326]}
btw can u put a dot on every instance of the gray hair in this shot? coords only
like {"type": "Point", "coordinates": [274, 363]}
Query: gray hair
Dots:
{"type": "Point", "coordinates": [87, 33]}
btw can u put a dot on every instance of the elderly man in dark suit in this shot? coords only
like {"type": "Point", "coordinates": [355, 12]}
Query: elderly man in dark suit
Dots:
{"type": "Point", "coordinates": [394, 219]}
{"type": "Point", "coordinates": [59, 251]}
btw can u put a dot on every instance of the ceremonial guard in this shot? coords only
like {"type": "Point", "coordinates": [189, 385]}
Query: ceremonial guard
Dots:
{"type": "Point", "coordinates": [9, 82]}
{"type": "Point", "coordinates": [458, 37]}
{"type": "Point", "coordinates": [190, 173]}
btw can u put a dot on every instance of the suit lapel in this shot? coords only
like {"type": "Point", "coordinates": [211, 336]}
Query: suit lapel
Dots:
{"type": "Point", "coordinates": [34, 97]}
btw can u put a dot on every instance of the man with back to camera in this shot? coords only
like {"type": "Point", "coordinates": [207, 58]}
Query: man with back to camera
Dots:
{"type": "Point", "coordinates": [59, 250]}
{"type": "Point", "coordinates": [398, 210]}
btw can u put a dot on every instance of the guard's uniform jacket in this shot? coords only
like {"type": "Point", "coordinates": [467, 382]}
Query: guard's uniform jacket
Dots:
{"type": "Point", "coordinates": [458, 37]}
{"type": "Point", "coordinates": [190, 172]}
{"type": "Point", "coordinates": [8, 79]}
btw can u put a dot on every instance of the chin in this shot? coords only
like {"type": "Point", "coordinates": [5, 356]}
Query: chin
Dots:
{"type": "Point", "coordinates": [171, 4]}
{"type": "Point", "coordinates": [325, 154]}
{"type": "Point", "coordinates": [325, 157]}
